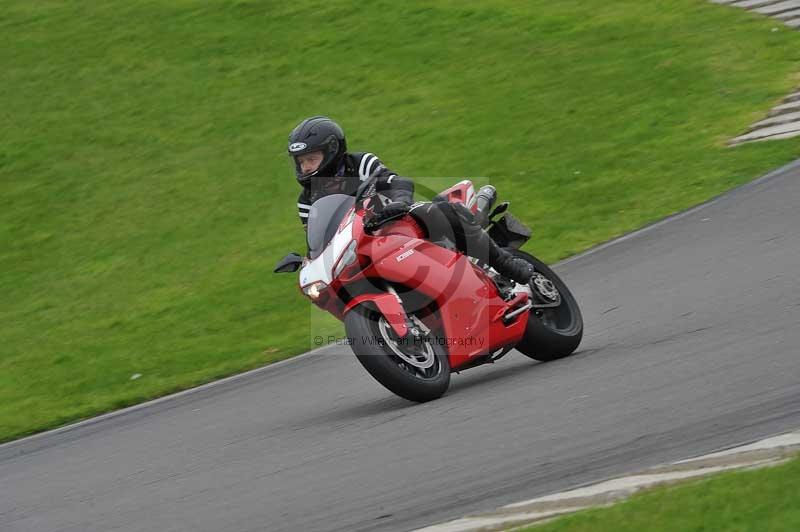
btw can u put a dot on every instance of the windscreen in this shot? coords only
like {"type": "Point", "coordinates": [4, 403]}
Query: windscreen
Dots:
{"type": "Point", "coordinates": [324, 218]}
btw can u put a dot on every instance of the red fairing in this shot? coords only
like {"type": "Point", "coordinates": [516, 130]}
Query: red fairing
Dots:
{"type": "Point", "coordinates": [470, 306]}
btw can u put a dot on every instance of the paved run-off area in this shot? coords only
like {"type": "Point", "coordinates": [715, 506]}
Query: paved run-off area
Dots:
{"type": "Point", "coordinates": [783, 120]}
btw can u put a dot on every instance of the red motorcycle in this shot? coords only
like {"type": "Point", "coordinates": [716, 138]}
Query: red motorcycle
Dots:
{"type": "Point", "coordinates": [415, 310]}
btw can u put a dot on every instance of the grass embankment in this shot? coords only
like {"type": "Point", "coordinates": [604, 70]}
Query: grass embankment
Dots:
{"type": "Point", "coordinates": [145, 194]}
{"type": "Point", "coordinates": [763, 500]}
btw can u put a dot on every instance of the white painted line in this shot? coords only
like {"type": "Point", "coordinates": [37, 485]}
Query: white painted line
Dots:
{"type": "Point", "coordinates": [786, 107]}
{"type": "Point", "coordinates": [788, 14]}
{"type": "Point", "coordinates": [778, 7]}
{"type": "Point", "coordinates": [783, 118]}
{"type": "Point", "coordinates": [789, 135]}
{"type": "Point", "coordinates": [469, 524]}
{"type": "Point", "coordinates": [623, 484]}
{"type": "Point", "coordinates": [747, 4]}
{"type": "Point", "coordinates": [770, 131]}
{"type": "Point", "coordinates": [784, 440]}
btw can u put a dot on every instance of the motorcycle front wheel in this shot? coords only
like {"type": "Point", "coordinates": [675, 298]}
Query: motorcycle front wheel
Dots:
{"type": "Point", "coordinates": [414, 368]}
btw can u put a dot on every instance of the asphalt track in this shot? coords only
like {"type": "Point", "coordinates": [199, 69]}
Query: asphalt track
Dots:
{"type": "Point", "coordinates": [692, 344]}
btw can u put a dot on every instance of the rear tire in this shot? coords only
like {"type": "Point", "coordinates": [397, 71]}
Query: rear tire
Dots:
{"type": "Point", "coordinates": [551, 333]}
{"type": "Point", "coordinates": [398, 364]}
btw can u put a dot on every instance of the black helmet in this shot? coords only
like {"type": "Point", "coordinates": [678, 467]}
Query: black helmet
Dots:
{"type": "Point", "coordinates": [313, 134]}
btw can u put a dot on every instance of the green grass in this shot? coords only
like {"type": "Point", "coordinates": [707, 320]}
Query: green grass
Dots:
{"type": "Point", "coordinates": [763, 500]}
{"type": "Point", "coordinates": [145, 193]}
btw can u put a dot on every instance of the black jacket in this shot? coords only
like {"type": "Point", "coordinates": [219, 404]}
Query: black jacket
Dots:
{"type": "Point", "coordinates": [355, 168]}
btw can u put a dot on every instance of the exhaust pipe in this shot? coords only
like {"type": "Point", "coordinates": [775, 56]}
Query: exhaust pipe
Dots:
{"type": "Point", "coordinates": [485, 199]}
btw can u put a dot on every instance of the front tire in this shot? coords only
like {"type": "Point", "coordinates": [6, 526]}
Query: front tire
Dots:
{"type": "Point", "coordinates": [551, 333]}
{"type": "Point", "coordinates": [417, 370]}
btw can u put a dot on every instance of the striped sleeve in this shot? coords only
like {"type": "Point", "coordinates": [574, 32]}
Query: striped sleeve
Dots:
{"type": "Point", "coordinates": [303, 208]}
{"type": "Point", "coordinates": [393, 186]}
{"type": "Point", "coordinates": [369, 166]}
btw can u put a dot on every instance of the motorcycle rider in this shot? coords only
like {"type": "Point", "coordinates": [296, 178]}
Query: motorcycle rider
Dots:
{"type": "Point", "coordinates": [323, 166]}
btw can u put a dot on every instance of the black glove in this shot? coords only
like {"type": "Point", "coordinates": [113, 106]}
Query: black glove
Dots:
{"type": "Point", "coordinates": [390, 211]}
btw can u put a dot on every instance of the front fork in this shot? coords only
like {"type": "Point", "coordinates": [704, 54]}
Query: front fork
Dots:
{"type": "Point", "coordinates": [390, 306]}
{"type": "Point", "coordinates": [414, 325]}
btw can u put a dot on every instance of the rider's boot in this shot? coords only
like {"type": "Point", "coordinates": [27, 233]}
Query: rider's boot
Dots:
{"type": "Point", "coordinates": [543, 292]}
{"type": "Point", "coordinates": [508, 265]}
{"type": "Point", "coordinates": [481, 245]}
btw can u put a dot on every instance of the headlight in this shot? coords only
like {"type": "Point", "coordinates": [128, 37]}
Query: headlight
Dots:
{"type": "Point", "coordinates": [348, 256]}
{"type": "Point", "coordinates": [314, 289]}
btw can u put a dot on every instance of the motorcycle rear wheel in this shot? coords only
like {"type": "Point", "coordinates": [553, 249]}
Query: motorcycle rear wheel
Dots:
{"type": "Point", "coordinates": [551, 333]}
{"type": "Point", "coordinates": [417, 370]}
